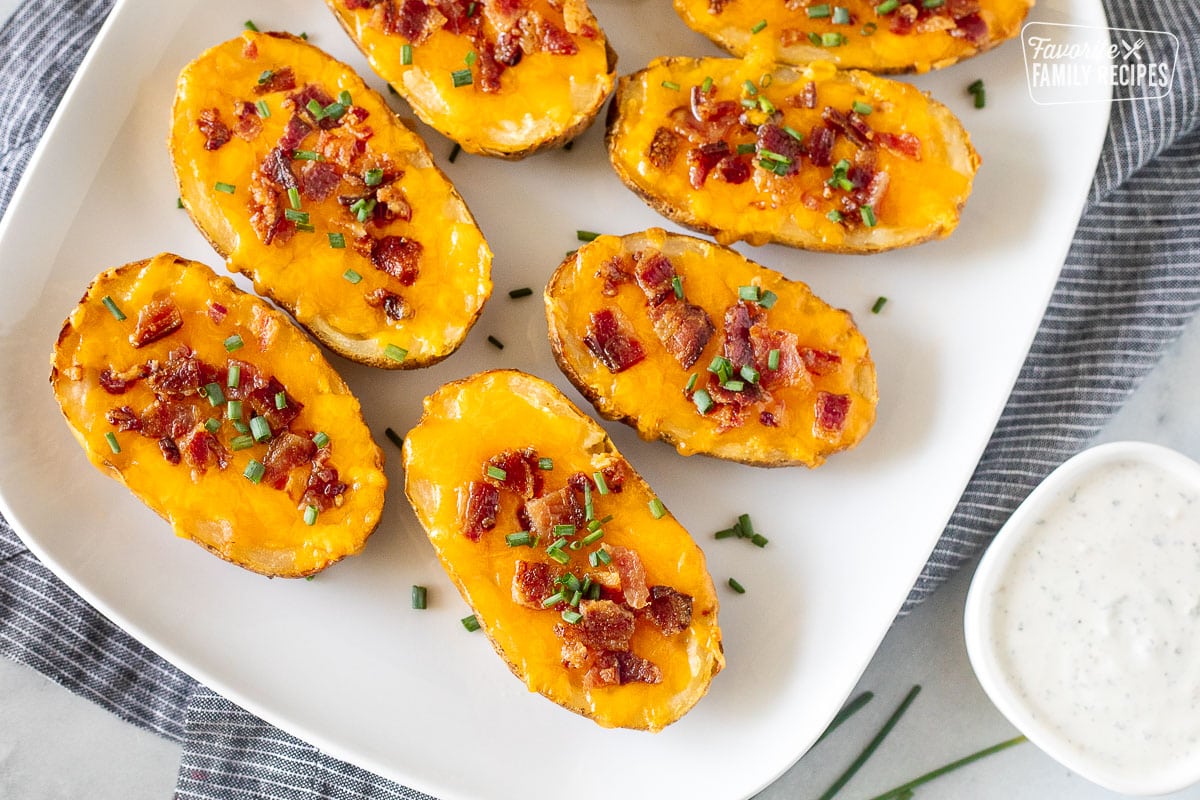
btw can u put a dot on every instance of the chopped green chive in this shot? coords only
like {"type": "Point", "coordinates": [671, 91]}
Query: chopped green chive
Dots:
{"type": "Point", "coordinates": [234, 343]}
{"type": "Point", "coordinates": [113, 444]}
{"type": "Point", "coordinates": [454, 151]}
{"type": "Point", "coordinates": [728, 533]}
{"type": "Point", "coordinates": [571, 617]}
{"type": "Point", "coordinates": [677, 286]}
{"type": "Point", "coordinates": [767, 299]}
{"type": "Point", "coordinates": [545, 463]}
{"type": "Point", "coordinates": [260, 429]}
{"type": "Point", "coordinates": [773, 360]}
{"type": "Point", "coordinates": [320, 438]}
{"type": "Point", "coordinates": [562, 531]}
{"type": "Point", "coordinates": [254, 471]}
{"type": "Point", "coordinates": [819, 11]}
{"type": "Point", "coordinates": [586, 236]}
{"type": "Point", "coordinates": [212, 425]}
{"type": "Point", "coordinates": [933, 3]}
{"type": "Point", "coordinates": [179, 202]}
{"type": "Point", "coordinates": [672, 85]}
{"type": "Point", "coordinates": [734, 386]}
{"type": "Point", "coordinates": [833, 39]}
{"type": "Point", "coordinates": [869, 750]}
{"type": "Point", "coordinates": [281, 400]}
{"type": "Point", "coordinates": [304, 36]}
{"type": "Point", "coordinates": [265, 76]}
{"type": "Point", "coordinates": [264, 110]}
{"type": "Point", "coordinates": [304, 227]}
{"type": "Point", "coordinates": [703, 401]}
{"type": "Point", "coordinates": [250, 26]}
{"type": "Point", "coordinates": [517, 294]}
{"type": "Point", "coordinates": [601, 486]}
{"type": "Point", "coordinates": [419, 597]}
{"type": "Point", "coordinates": [691, 384]}
{"type": "Point", "coordinates": [592, 538]}
{"type": "Point", "coordinates": [315, 108]}
{"type": "Point", "coordinates": [594, 558]}
{"type": "Point", "coordinates": [227, 188]}
{"type": "Point", "coordinates": [296, 216]}
{"type": "Point", "coordinates": [887, 6]}
{"type": "Point", "coordinates": [758, 26]}
{"type": "Point", "coordinates": [764, 80]}
{"type": "Point", "coordinates": [758, 540]}
{"type": "Point", "coordinates": [575, 598]}
{"type": "Point", "coordinates": [980, 98]}
{"type": "Point", "coordinates": [869, 29]}
{"type": "Point", "coordinates": [492, 340]}
{"type": "Point", "coordinates": [233, 409]}
{"type": "Point", "coordinates": [657, 509]}
{"type": "Point", "coordinates": [395, 353]}
{"type": "Point", "coordinates": [294, 198]}
{"type": "Point", "coordinates": [745, 149]}
{"type": "Point", "coordinates": [345, 99]}
{"type": "Point", "coordinates": [750, 374]}
{"type": "Point", "coordinates": [497, 473]}
{"type": "Point", "coordinates": [242, 428]}
{"type": "Point", "coordinates": [861, 108]}
{"type": "Point", "coordinates": [868, 216]}
{"type": "Point", "coordinates": [737, 587]}
{"type": "Point", "coordinates": [814, 38]}
{"type": "Point", "coordinates": [307, 155]}
{"type": "Point", "coordinates": [214, 394]}
{"type": "Point", "coordinates": [976, 86]}
{"type": "Point", "coordinates": [351, 276]}
{"type": "Point", "coordinates": [470, 58]}
{"type": "Point", "coordinates": [519, 539]}
{"type": "Point", "coordinates": [603, 557]}
{"type": "Point", "coordinates": [405, 54]}
{"type": "Point", "coordinates": [471, 8]}
{"type": "Point", "coordinates": [373, 177]}
{"type": "Point", "coordinates": [559, 556]}
{"type": "Point", "coordinates": [841, 15]}
{"type": "Point", "coordinates": [310, 514]}
{"type": "Point", "coordinates": [460, 78]}
{"type": "Point", "coordinates": [792, 132]}
{"type": "Point", "coordinates": [243, 442]}
{"type": "Point", "coordinates": [750, 293]}
{"type": "Point", "coordinates": [879, 304]}
{"type": "Point", "coordinates": [834, 215]}
{"type": "Point", "coordinates": [707, 85]}
{"type": "Point", "coordinates": [470, 623]}
{"type": "Point", "coordinates": [108, 302]}
{"type": "Point", "coordinates": [393, 437]}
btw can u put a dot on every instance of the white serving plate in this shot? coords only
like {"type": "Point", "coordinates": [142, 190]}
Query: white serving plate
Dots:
{"type": "Point", "coordinates": [342, 661]}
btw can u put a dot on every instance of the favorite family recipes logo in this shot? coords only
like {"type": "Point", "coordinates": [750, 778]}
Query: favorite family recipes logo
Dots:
{"type": "Point", "coordinates": [1080, 64]}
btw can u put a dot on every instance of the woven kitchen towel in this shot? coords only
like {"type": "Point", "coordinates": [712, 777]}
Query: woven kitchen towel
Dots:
{"type": "Point", "coordinates": [1130, 284]}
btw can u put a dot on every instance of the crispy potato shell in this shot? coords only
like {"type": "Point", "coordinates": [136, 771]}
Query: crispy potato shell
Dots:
{"type": "Point", "coordinates": [650, 144]}
{"type": "Point", "coordinates": [252, 525]}
{"type": "Point", "coordinates": [331, 286]}
{"type": "Point", "coordinates": [651, 395]}
{"type": "Point", "coordinates": [545, 100]}
{"type": "Point", "coordinates": [867, 41]}
{"type": "Point", "coordinates": [469, 421]}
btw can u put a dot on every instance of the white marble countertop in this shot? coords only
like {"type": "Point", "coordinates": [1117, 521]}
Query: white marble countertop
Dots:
{"type": "Point", "coordinates": [56, 745]}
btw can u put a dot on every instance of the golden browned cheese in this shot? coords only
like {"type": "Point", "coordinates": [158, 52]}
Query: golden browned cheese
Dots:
{"type": "Point", "coordinates": [907, 158]}
{"type": "Point", "coordinates": [908, 36]}
{"type": "Point", "coordinates": [468, 422]}
{"type": "Point", "coordinates": [102, 380]}
{"type": "Point", "coordinates": [375, 252]}
{"type": "Point", "coordinates": [819, 399]}
{"type": "Point", "coordinates": [501, 79]}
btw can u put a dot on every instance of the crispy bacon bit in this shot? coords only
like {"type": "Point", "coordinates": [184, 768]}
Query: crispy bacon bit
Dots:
{"type": "Point", "coordinates": [216, 133]}
{"type": "Point", "coordinates": [703, 159]}
{"type": "Point", "coordinates": [972, 27]}
{"type": "Point", "coordinates": [490, 67]}
{"type": "Point", "coordinates": [217, 312]}
{"type": "Point", "coordinates": [393, 305]}
{"type": "Point", "coordinates": [249, 123]}
{"type": "Point", "coordinates": [610, 340]}
{"type": "Point", "coordinates": [808, 97]}
{"type": "Point", "coordinates": [280, 80]}
{"type": "Point", "coordinates": [521, 473]}
{"type": "Point", "coordinates": [789, 367]}
{"type": "Point", "coordinates": [553, 39]}
{"type": "Point", "coordinates": [903, 144]}
{"type": "Point", "coordinates": [737, 347]}
{"type": "Point", "coordinates": [317, 180]}
{"type": "Point", "coordinates": [398, 257]}
{"type": "Point", "coordinates": [277, 166]}
{"type": "Point", "coordinates": [416, 21]}
{"type": "Point", "coordinates": [734, 169]}
{"type": "Point", "coordinates": [508, 48]}
{"type": "Point", "coordinates": [831, 410]}
{"type": "Point", "coordinates": [533, 582]}
{"type": "Point", "coordinates": [614, 476]}
{"type": "Point", "coordinates": [119, 383]}
{"type": "Point", "coordinates": [324, 490]}
{"type": "Point", "coordinates": [683, 328]}
{"type": "Point", "coordinates": [459, 18]}
{"type": "Point", "coordinates": [629, 569]}
{"type": "Point", "coordinates": [183, 374]}
{"type": "Point", "coordinates": [557, 508]}
{"type": "Point", "coordinates": [903, 19]}
{"type": "Point", "coordinates": [124, 419]}
{"type": "Point", "coordinates": [294, 134]}
{"type": "Point", "coordinates": [613, 273]}
{"type": "Point", "coordinates": [663, 148]}
{"type": "Point", "coordinates": [768, 419]}
{"type": "Point", "coordinates": [168, 418]}
{"type": "Point", "coordinates": [478, 509]}
{"type": "Point", "coordinates": [306, 95]}
{"type": "Point", "coordinates": [605, 625]}
{"type": "Point", "coordinates": [820, 146]}
{"type": "Point", "coordinates": [852, 126]}
{"type": "Point", "coordinates": [202, 450]}
{"type": "Point", "coordinates": [775, 139]}
{"type": "Point", "coordinates": [670, 610]}
{"type": "Point", "coordinates": [157, 319]}
{"type": "Point", "coordinates": [250, 50]}
{"type": "Point", "coordinates": [820, 362]}
{"type": "Point", "coordinates": [170, 450]}
{"type": "Point", "coordinates": [391, 201]}
{"type": "Point", "coordinates": [286, 452]}
{"type": "Point", "coordinates": [717, 6]}
{"type": "Point", "coordinates": [265, 327]}
{"type": "Point", "coordinates": [869, 188]}
{"type": "Point", "coordinates": [617, 669]}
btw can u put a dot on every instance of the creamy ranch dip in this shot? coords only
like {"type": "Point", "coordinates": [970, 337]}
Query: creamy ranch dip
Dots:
{"type": "Point", "coordinates": [1096, 620]}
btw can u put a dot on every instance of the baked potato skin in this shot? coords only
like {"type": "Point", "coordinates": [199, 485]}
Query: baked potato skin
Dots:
{"type": "Point", "coordinates": [922, 199]}
{"type": "Point", "coordinates": [651, 396]}
{"type": "Point", "coordinates": [469, 421]}
{"type": "Point", "coordinates": [252, 525]}
{"type": "Point", "coordinates": [307, 274]}
{"type": "Point", "coordinates": [543, 101]}
{"type": "Point", "coordinates": [868, 41]}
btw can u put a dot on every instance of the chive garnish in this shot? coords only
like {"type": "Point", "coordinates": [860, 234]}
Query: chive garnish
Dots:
{"type": "Point", "coordinates": [345, 99]}
{"type": "Point", "coordinates": [792, 132]}
{"type": "Point", "coordinates": [461, 78]}
{"type": "Point", "coordinates": [351, 276]}
{"type": "Point", "coordinates": [767, 299]}
{"type": "Point", "coordinates": [773, 360]}
{"type": "Point", "coordinates": [212, 425]}
{"type": "Point", "coordinates": [603, 557]}
{"type": "Point", "coordinates": [868, 216]}
{"type": "Point", "coordinates": [315, 109]}
{"type": "Point", "coordinates": [517, 294]}
{"type": "Point", "coordinates": [758, 540]}
{"type": "Point", "coordinates": [470, 58]}
{"type": "Point", "coordinates": [589, 511]}
{"type": "Point", "coordinates": [394, 437]}
{"type": "Point", "coordinates": [373, 177]}
{"type": "Point", "coordinates": [395, 353]}
{"type": "Point", "coordinates": [250, 26]}
{"type": "Point", "coordinates": [264, 110]}
{"type": "Point", "coordinates": [594, 558]}
{"type": "Point", "coordinates": [855, 765]}
{"type": "Point", "coordinates": [545, 463]}
{"type": "Point", "coordinates": [848, 711]}
{"type": "Point", "coordinates": [310, 513]}
{"type": "Point", "coordinates": [586, 236]}
{"type": "Point", "coordinates": [179, 202]}
{"type": "Point", "coordinates": [905, 790]}
{"type": "Point", "coordinates": [933, 3]}
{"type": "Point", "coordinates": [976, 86]}
{"type": "Point", "coordinates": [304, 227]}
{"type": "Point", "coordinates": [470, 623]}
{"type": "Point", "coordinates": [454, 151]}
{"type": "Point", "coordinates": [703, 401]}
{"type": "Point", "coordinates": [241, 427]}
{"type": "Point", "coordinates": [764, 80]}
{"type": "Point", "coordinates": [571, 617]}
{"type": "Point", "coordinates": [419, 595]}
{"type": "Point", "coordinates": [254, 471]}
{"type": "Point", "coordinates": [734, 386]}
{"type": "Point", "coordinates": [758, 26]}
{"type": "Point", "coordinates": [320, 438]}
{"type": "Point", "coordinates": [691, 384]}
{"type": "Point", "coordinates": [260, 429]}
{"type": "Point", "coordinates": [243, 442]}
{"type": "Point", "coordinates": [576, 545]}
{"type": "Point", "coordinates": [834, 216]}
{"type": "Point", "coordinates": [887, 6]}
{"type": "Point", "coordinates": [745, 149]}
{"type": "Point", "coordinates": [233, 410]}
{"type": "Point", "coordinates": [814, 38]}
{"type": "Point", "coordinates": [976, 89]}
{"type": "Point", "coordinates": [519, 539]}
{"type": "Point", "coordinates": [737, 587]}
{"type": "Point", "coordinates": [728, 533]}
{"type": "Point", "coordinates": [214, 394]}
{"type": "Point", "coordinates": [113, 444]}
{"type": "Point", "coordinates": [750, 293]}
{"type": "Point", "coordinates": [707, 85]}
{"type": "Point", "coordinates": [749, 373]}
{"type": "Point", "coordinates": [601, 486]}
{"type": "Point", "coordinates": [841, 15]}
{"type": "Point", "coordinates": [559, 556]}
{"type": "Point", "coordinates": [281, 400]}
{"type": "Point", "coordinates": [677, 286]}
{"type": "Point", "coordinates": [562, 531]}
{"type": "Point", "coordinates": [868, 29]}
{"type": "Point", "coordinates": [405, 55]}
{"type": "Point", "coordinates": [492, 340]}
{"type": "Point", "coordinates": [265, 76]}
{"type": "Point", "coordinates": [749, 88]}
{"type": "Point", "coordinates": [657, 509]}
{"type": "Point", "coordinates": [861, 108]}
{"type": "Point", "coordinates": [819, 11]}
{"type": "Point", "coordinates": [879, 304]}
{"type": "Point", "coordinates": [234, 343]}
{"type": "Point", "coordinates": [296, 216]}
{"type": "Point", "coordinates": [307, 155]}
{"type": "Point", "coordinates": [118, 315]}
{"type": "Point", "coordinates": [672, 85]}
{"type": "Point", "coordinates": [471, 8]}
{"type": "Point", "coordinates": [294, 198]}
{"type": "Point", "coordinates": [575, 598]}
{"type": "Point", "coordinates": [833, 39]}
{"type": "Point", "coordinates": [493, 471]}
{"type": "Point", "coordinates": [227, 188]}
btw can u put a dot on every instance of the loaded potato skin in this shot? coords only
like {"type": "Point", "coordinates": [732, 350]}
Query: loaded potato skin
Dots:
{"type": "Point", "coordinates": [588, 588]}
{"type": "Point", "coordinates": [220, 416]}
{"type": "Point", "coordinates": [694, 344]}
{"type": "Point", "coordinates": [303, 179]}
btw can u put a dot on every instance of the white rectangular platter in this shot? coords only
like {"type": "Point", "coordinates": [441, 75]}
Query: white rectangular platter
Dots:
{"type": "Point", "coordinates": [343, 661]}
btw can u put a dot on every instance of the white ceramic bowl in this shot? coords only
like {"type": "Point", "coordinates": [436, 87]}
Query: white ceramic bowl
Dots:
{"type": "Point", "coordinates": [1035, 678]}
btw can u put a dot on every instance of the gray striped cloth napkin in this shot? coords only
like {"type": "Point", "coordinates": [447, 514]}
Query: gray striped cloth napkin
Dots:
{"type": "Point", "coordinates": [1130, 284]}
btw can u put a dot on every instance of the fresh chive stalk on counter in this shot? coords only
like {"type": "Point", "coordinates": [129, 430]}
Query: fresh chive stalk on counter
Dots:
{"type": "Point", "coordinates": [872, 745]}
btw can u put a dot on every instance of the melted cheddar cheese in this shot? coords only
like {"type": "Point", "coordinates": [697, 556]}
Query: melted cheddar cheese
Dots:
{"type": "Point", "coordinates": [307, 274]}
{"type": "Point", "coordinates": [651, 395]}
{"type": "Point", "coordinates": [253, 525]}
{"type": "Point", "coordinates": [467, 422]}
{"type": "Point", "coordinates": [923, 197]}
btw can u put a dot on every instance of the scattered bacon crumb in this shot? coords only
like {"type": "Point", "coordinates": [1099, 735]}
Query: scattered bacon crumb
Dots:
{"type": "Point", "coordinates": [478, 509]}
{"type": "Point", "coordinates": [831, 411]}
{"type": "Point", "coordinates": [533, 582]}
{"type": "Point", "coordinates": [157, 319]}
{"type": "Point", "coordinates": [670, 610]}
{"type": "Point", "coordinates": [605, 625]}
{"type": "Point", "coordinates": [628, 566]}
{"type": "Point", "coordinates": [280, 80]}
{"type": "Point", "coordinates": [556, 508]}
{"type": "Point", "coordinates": [610, 339]}
{"type": "Point", "coordinates": [216, 133]}
{"type": "Point", "coordinates": [521, 472]}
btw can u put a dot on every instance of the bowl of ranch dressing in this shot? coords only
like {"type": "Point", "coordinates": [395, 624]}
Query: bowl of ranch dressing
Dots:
{"type": "Point", "coordinates": [1083, 618]}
